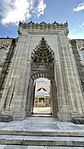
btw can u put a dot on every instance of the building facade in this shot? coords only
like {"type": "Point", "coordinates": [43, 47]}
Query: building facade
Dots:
{"type": "Point", "coordinates": [42, 50]}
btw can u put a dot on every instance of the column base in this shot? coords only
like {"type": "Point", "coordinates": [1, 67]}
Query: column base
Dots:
{"type": "Point", "coordinates": [19, 115]}
{"type": "Point", "coordinates": [78, 120]}
{"type": "Point", "coordinates": [64, 113]}
{"type": "Point", "coordinates": [5, 118]}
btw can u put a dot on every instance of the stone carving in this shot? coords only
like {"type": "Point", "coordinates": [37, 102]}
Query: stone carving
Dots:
{"type": "Point", "coordinates": [44, 27]}
{"type": "Point", "coordinates": [42, 54]}
{"type": "Point", "coordinates": [43, 50]}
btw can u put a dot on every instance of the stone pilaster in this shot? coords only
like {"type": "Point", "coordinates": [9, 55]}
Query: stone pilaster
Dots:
{"type": "Point", "coordinates": [62, 95]}
{"type": "Point", "coordinates": [15, 91]}
{"type": "Point", "coordinates": [74, 94]}
{"type": "Point", "coordinates": [29, 98]}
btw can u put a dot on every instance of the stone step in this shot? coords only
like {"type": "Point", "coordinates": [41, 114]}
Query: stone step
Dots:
{"type": "Point", "coordinates": [36, 147]}
{"type": "Point", "coordinates": [59, 133]}
{"type": "Point", "coordinates": [40, 131]}
{"type": "Point", "coordinates": [42, 140]}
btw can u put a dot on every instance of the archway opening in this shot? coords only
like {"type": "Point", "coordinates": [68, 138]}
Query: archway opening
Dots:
{"type": "Point", "coordinates": [42, 66]}
{"type": "Point", "coordinates": [42, 97]}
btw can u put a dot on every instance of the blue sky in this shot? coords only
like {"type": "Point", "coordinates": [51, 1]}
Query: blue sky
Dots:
{"type": "Point", "coordinates": [13, 11]}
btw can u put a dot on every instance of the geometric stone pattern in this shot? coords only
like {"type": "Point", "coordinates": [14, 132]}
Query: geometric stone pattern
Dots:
{"type": "Point", "coordinates": [66, 87]}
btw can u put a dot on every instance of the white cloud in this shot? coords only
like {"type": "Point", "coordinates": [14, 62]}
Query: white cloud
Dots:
{"type": "Point", "coordinates": [79, 7]}
{"type": "Point", "coordinates": [40, 8]}
{"type": "Point", "coordinates": [77, 32]}
{"type": "Point", "coordinates": [13, 11]}
{"type": "Point", "coordinates": [81, 26]}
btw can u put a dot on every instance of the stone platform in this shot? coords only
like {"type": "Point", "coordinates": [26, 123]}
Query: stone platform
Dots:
{"type": "Point", "coordinates": [38, 132]}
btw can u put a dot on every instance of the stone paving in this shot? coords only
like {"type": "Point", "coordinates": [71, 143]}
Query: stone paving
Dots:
{"type": "Point", "coordinates": [36, 123]}
{"type": "Point", "coordinates": [37, 127]}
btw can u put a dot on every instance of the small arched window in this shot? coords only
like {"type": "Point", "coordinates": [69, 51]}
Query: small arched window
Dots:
{"type": "Point", "coordinates": [81, 53]}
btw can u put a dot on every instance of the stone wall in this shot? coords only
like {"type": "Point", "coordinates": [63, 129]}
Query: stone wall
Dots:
{"type": "Point", "coordinates": [4, 48]}
{"type": "Point", "coordinates": [67, 98]}
{"type": "Point", "coordinates": [77, 44]}
{"type": "Point", "coordinates": [6, 54]}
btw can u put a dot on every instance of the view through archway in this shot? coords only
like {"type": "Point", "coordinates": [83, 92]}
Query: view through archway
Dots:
{"type": "Point", "coordinates": [42, 97]}
{"type": "Point", "coordinates": [42, 68]}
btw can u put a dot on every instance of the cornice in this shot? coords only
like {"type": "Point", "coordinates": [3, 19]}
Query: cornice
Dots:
{"type": "Point", "coordinates": [42, 25]}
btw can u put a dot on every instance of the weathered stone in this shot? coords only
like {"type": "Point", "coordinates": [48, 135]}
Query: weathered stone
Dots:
{"type": "Point", "coordinates": [42, 50]}
{"type": "Point", "coordinates": [78, 120]}
{"type": "Point", "coordinates": [41, 131]}
{"type": "Point", "coordinates": [5, 118]}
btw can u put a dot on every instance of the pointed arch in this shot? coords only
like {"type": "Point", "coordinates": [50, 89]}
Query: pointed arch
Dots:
{"type": "Point", "coordinates": [42, 66]}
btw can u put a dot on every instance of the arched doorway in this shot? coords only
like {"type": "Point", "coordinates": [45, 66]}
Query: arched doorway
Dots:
{"type": "Point", "coordinates": [42, 66]}
{"type": "Point", "coordinates": [42, 97]}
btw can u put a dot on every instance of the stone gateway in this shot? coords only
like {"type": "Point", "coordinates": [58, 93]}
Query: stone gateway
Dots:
{"type": "Point", "coordinates": [42, 50]}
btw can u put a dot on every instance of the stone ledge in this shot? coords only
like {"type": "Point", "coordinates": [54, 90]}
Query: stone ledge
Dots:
{"type": "Point", "coordinates": [42, 140]}
{"type": "Point", "coordinates": [78, 120]}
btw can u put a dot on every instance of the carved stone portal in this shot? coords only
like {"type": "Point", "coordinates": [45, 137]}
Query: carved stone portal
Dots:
{"type": "Point", "coordinates": [43, 50]}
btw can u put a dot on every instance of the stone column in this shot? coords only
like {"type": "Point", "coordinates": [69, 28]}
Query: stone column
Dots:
{"type": "Point", "coordinates": [32, 96]}
{"type": "Point", "coordinates": [54, 99]}
{"type": "Point", "coordinates": [29, 98]}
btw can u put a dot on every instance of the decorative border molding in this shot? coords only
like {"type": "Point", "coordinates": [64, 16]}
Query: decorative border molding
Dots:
{"type": "Point", "coordinates": [46, 27]}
